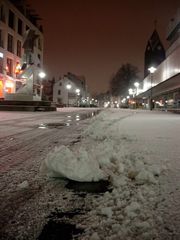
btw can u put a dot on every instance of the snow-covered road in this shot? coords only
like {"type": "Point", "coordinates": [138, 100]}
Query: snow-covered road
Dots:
{"type": "Point", "coordinates": [138, 151]}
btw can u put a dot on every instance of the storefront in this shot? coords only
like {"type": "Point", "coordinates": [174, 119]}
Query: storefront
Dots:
{"type": "Point", "coordinates": [7, 85]}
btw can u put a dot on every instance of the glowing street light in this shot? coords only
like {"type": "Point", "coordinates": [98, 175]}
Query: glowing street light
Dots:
{"type": "Point", "coordinates": [151, 70]}
{"type": "Point", "coordinates": [78, 91]}
{"type": "Point", "coordinates": [68, 86]}
{"type": "Point", "coordinates": [41, 75]}
{"type": "Point", "coordinates": [136, 84]}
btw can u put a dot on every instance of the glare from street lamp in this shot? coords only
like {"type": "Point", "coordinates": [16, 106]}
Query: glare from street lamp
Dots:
{"type": "Point", "coordinates": [42, 74]}
{"type": "Point", "coordinates": [68, 86]}
{"type": "Point", "coordinates": [152, 69]}
{"type": "Point", "coordinates": [130, 91]}
{"type": "Point", "coordinates": [136, 84]}
{"type": "Point", "coordinates": [77, 90]}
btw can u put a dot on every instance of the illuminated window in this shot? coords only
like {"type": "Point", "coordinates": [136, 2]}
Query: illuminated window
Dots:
{"type": "Point", "coordinates": [17, 69]}
{"type": "Point", "coordinates": [10, 43]}
{"type": "Point", "coordinates": [9, 67]}
{"type": "Point", "coordinates": [18, 48]}
{"type": "Point", "coordinates": [9, 85]}
{"type": "Point", "coordinates": [1, 88]}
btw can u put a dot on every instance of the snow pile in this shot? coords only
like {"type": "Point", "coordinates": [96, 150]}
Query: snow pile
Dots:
{"type": "Point", "coordinates": [128, 212]}
{"type": "Point", "coordinates": [77, 166]}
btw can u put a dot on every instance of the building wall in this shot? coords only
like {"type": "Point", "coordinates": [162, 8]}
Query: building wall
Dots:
{"type": "Point", "coordinates": [170, 67]}
{"type": "Point", "coordinates": [173, 29]}
{"type": "Point", "coordinates": [167, 69]}
{"type": "Point", "coordinates": [64, 96]}
{"type": "Point", "coordinates": [9, 82]}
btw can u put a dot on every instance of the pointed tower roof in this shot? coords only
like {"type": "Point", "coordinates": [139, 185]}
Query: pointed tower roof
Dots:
{"type": "Point", "coordinates": [154, 40]}
{"type": "Point", "coordinates": [154, 53]}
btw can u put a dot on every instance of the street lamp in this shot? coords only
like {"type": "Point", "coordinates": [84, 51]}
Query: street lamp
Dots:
{"type": "Point", "coordinates": [78, 91]}
{"type": "Point", "coordinates": [151, 70]}
{"type": "Point", "coordinates": [131, 92]}
{"type": "Point", "coordinates": [68, 87]}
{"type": "Point", "coordinates": [41, 75]}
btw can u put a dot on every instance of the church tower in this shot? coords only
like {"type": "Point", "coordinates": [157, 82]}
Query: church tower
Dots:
{"type": "Point", "coordinates": [154, 53]}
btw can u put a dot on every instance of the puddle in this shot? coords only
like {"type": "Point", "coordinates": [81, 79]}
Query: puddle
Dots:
{"type": "Point", "coordinates": [42, 126]}
{"type": "Point", "coordinates": [51, 125]}
{"type": "Point", "coordinates": [59, 231]}
{"type": "Point", "coordinates": [84, 116]}
{"type": "Point", "coordinates": [89, 187]}
{"type": "Point", "coordinates": [70, 120]}
{"type": "Point", "coordinates": [58, 226]}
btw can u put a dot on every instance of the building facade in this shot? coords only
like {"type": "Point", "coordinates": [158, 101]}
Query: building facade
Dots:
{"type": "Point", "coordinates": [16, 26]}
{"type": "Point", "coordinates": [164, 84]}
{"type": "Point", "coordinates": [70, 90]}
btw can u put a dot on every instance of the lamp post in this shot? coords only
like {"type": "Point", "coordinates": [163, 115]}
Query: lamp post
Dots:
{"type": "Point", "coordinates": [41, 75]}
{"type": "Point", "coordinates": [131, 92]}
{"type": "Point", "coordinates": [78, 94]}
{"type": "Point", "coordinates": [151, 70]}
{"type": "Point", "coordinates": [68, 87]}
{"type": "Point", "coordinates": [136, 84]}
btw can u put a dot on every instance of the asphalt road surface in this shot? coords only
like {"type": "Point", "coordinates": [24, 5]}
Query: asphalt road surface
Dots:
{"type": "Point", "coordinates": [27, 198]}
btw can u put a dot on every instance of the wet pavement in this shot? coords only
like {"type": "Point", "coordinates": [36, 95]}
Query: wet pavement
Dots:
{"type": "Point", "coordinates": [70, 119]}
{"type": "Point", "coordinates": [60, 224]}
{"type": "Point", "coordinates": [30, 213]}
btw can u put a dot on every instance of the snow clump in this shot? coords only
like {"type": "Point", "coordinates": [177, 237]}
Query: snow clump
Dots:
{"type": "Point", "coordinates": [77, 166]}
{"type": "Point", "coordinates": [23, 185]}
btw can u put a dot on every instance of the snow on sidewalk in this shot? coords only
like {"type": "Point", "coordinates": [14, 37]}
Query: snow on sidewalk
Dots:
{"type": "Point", "coordinates": [112, 148]}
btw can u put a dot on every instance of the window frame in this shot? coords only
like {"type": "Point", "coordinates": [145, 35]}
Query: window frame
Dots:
{"type": "Point", "coordinates": [10, 43]}
{"type": "Point", "coordinates": [11, 19]}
